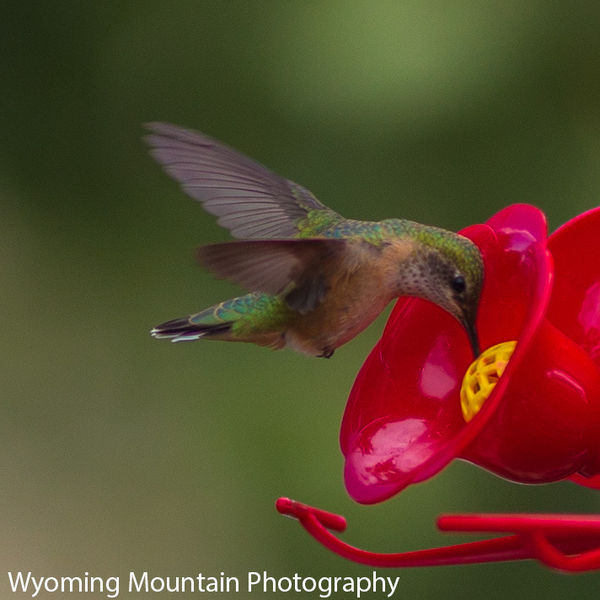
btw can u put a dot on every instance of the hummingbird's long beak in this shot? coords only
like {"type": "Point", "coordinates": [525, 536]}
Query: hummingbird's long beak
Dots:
{"type": "Point", "coordinates": [473, 338]}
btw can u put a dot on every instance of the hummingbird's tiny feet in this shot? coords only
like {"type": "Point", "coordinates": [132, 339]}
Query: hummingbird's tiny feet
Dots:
{"type": "Point", "coordinates": [326, 353]}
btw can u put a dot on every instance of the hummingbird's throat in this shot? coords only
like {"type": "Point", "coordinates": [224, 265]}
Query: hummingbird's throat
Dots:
{"type": "Point", "coordinates": [482, 376]}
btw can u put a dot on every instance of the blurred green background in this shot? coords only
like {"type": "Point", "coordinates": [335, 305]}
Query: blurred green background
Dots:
{"type": "Point", "coordinates": [124, 453]}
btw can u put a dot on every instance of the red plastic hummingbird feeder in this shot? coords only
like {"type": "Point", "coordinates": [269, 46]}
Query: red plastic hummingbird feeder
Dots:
{"type": "Point", "coordinates": [528, 409]}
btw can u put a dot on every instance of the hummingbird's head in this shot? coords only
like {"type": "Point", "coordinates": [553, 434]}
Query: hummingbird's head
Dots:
{"type": "Point", "coordinates": [447, 269]}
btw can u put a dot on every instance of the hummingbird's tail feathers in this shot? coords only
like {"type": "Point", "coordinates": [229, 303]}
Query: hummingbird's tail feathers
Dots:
{"type": "Point", "coordinates": [255, 317]}
{"type": "Point", "coordinates": [184, 330]}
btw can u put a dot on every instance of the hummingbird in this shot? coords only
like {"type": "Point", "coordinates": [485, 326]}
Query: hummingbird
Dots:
{"type": "Point", "coordinates": [315, 279]}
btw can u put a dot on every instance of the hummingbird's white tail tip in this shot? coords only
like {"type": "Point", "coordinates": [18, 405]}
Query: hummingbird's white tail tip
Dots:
{"type": "Point", "coordinates": [184, 330]}
{"type": "Point", "coordinates": [175, 337]}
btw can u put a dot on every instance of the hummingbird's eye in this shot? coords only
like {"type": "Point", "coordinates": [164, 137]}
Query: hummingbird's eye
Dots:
{"type": "Point", "coordinates": [459, 284]}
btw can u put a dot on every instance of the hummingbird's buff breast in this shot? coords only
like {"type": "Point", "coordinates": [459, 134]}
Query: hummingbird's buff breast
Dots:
{"type": "Point", "coordinates": [357, 293]}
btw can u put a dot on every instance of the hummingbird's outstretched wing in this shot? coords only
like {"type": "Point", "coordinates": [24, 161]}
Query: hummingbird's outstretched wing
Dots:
{"type": "Point", "coordinates": [248, 199]}
{"type": "Point", "coordinates": [297, 269]}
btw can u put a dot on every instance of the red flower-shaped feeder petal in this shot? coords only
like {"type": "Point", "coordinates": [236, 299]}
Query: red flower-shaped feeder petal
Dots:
{"type": "Point", "coordinates": [541, 423]}
{"type": "Point", "coordinates": [532, 416]}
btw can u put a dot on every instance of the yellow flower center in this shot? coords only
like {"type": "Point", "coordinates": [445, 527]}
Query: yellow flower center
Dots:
{"type": "Point", "coordinates": [482, 376]}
